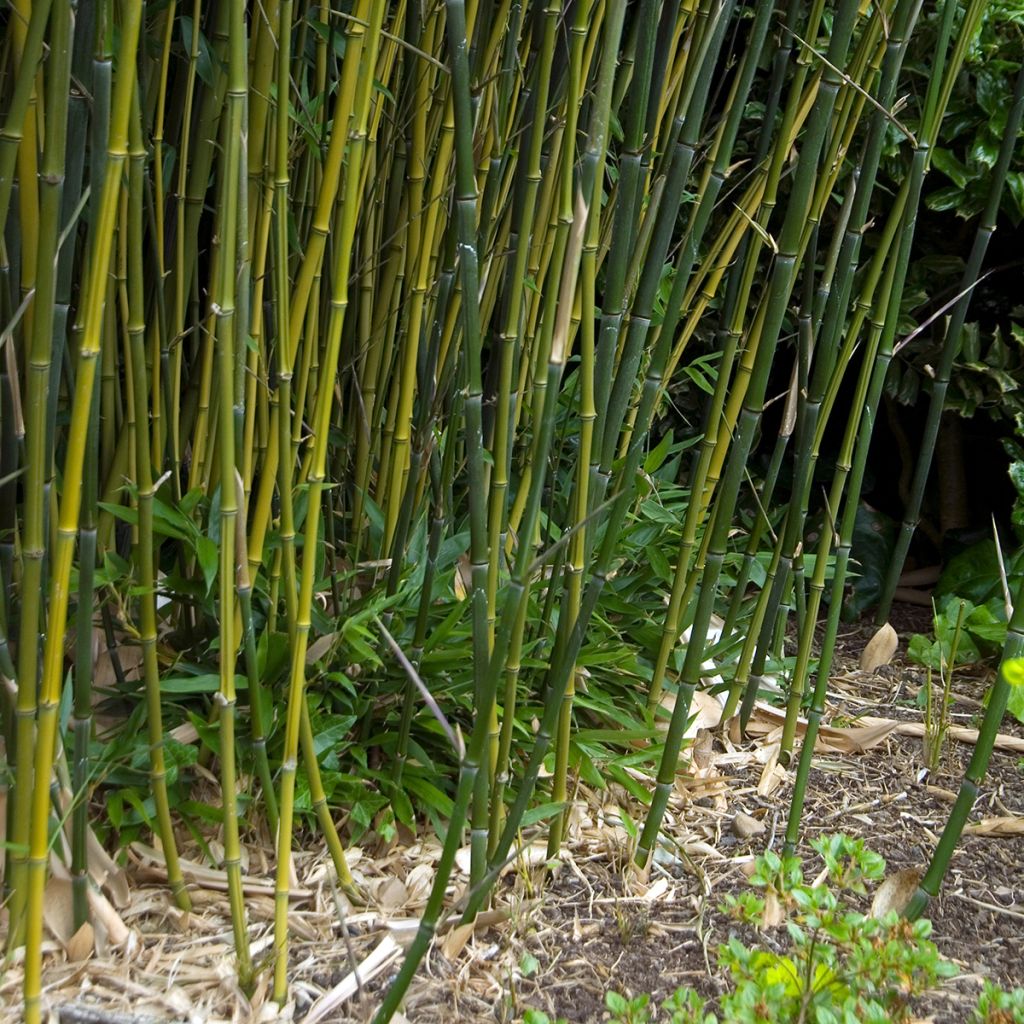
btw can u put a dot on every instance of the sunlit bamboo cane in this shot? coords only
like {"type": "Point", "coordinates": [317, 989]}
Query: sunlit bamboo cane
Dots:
{"type": "Point", "coordinates": [53, 676]}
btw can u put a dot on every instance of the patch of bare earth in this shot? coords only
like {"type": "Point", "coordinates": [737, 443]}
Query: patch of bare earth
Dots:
{"type": "Point", "coordinates": [558, 941]}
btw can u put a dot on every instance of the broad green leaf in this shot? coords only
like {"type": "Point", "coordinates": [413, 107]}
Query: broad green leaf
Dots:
{"type": "Point", "coordinates": [208, 683]}
{"type": "Point", "coordinates": [205, 59]}
{"type": "Point", "coordinates": [1013, 673]}
{"type": "Point", "coordinates": [944, 160]}
{"type": "Point", "coordinates": [209, 557]}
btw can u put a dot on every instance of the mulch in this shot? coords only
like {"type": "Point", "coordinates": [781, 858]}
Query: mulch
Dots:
{"type": "Point", "coordinates": [559, 940]}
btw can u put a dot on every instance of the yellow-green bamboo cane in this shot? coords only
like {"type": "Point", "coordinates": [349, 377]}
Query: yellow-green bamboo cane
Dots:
{"type": "Point", "coordinates": [101, 238]}
{"type": "Point", "coordinates": [360, 38]}
{"type": "Point", "coordinates": [135, 327]}
{"type": "Point", "coordinates": [38, 457]}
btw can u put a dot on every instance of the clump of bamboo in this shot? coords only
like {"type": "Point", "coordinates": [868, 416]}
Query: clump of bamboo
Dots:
{"type": "Point", "coordinates": [379, 315]}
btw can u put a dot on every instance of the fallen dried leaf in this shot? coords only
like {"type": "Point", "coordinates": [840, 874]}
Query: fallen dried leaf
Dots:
{"type": "Point", "coordinates": [895, 892]}
{"type": "Point", "coordinates": [879, 649]}
{"type": "Point", "coordinates": [81, 944]}
{"type": "Point", "coordinates": [154, 866]}
{"type": "Point", "coordinates": [772, 777]}
{"type": "Point", "coordinates": [1015, 744]}
{"type": "Point", "coordinates": [773, 914]}
{"type": "Point", "coordinates": [1008, 825]}
{"type": "Point", "coordinates": [703, 748]}
{"type": "Point", "coordinates": [320, 647]}
{"type": "Point", "coordinates": [455, 941]}
{"type": "Point", "coordinates": [392, 894]}
{"type": "Point", "coordinates": [830, 739]}
{"type": "Point", "coordinates": [58, 910]}
{"type": "Point", "coordinates": [382, 955]}
{"type": "Point", "coordinates": [463, 579]}
{"type": "Point", "coordinates": [744, 826]}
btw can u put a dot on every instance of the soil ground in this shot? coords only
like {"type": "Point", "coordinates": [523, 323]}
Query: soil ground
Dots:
{"type": "Point", "coordinates": [559, 941]}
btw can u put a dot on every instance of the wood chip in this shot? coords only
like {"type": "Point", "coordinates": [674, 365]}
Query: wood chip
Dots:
{"type": "Point", "coordinates": [82, 1013]}
{"type": "Point", "coordinates": [455, 941]}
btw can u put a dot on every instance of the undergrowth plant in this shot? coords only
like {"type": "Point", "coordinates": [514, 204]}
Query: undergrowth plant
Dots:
{"type": "Point", "coordinates": [841, 964]}
{"type": "Point", "coordinates": [807, 952]}
{"type": "Point", "coordinates": [837, 963]}
{"type": "Point", "coordinates": [937, 696]}
{"type": "Point", "coordinates": [997, 1006]}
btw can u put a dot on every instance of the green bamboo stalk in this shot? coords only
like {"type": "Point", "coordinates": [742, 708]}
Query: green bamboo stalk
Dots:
{"type": "Point", "coordinates": [280, 454]}
{"type": "Point", "coordinates": [160, 331]}
{"type": "Point", "coordinates": [224, 301]}
{"type": "Point", "coordinates": [853, 457]}
{"type": "Point", "coordinates": [437, 524]}
{"type": "Point", "coordinates": [472, 761]}
{"type": "Point", "coordinates": [11, 441]}
{"type": "Point", "coordinates": [974, 777]}
{"type": "Point", "coordinates": [933, 108]}
{"type": "Point", "coordinates": [81, 719]}
{"type": "Point", "coordinates": [951, 348]}
{"type": "Point", "coordinates": [146, 548]}
{"type": "Point", "coordinates": [776, 298]}
{"type": "Point", "coordinates": [559, 789]}
{"type": "Point", "coordinates": [465, 221]}
{"type": "Point", "coordinates": [849, 468]}
{"type": "Point", "coordinates": [812, 415]}
{"type": "Point", "coordinates": [422, 233]}
{"type": "Point", "coordinates": [318, 798]}
{"type": "Point", "coordinates": [274, 464]}
{"type": "Point", "coordinates": [423, 237]}
{"type": "Point", "coordinates": [258, 698]}
{"type": "Point", "coordinates": [568, 641]}
{"type": "Point", "coordinates": [709, 193]}
{"type": "Point", "coordinates": [39, 368]}
{"type": "Point", "coordinates": [639, 321]}
{"type": "Point", "coordinates": [37, 454]}
{"type": "Point", "coordinates": [708, 34]}
{"type": "Point", "coordinates": [182, 269]}
{"type": "Point", "coordinates": [716, 441]}
{"type": "Point", "coordinates": [11, 418]}
{"type": "Point", "coordinates": [809, 327]}
{"type": "Point", "coordinates": [516, 298]}
{"type": "Point", "coordinates": [439, 518]}
{"type": "Point", "coordinates": [14, 127]}
{"type": "Point", "coordinates": [81, 716]}
{"type": "Point", "coordinates": [624, 228]}
{"type": "Point", "coordinates": [544, 393]}
{"type": "Point", "coordinates": [591, 176]}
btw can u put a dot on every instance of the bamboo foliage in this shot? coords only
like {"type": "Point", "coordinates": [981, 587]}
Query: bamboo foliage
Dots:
{"type": "Point", "coordinates": [311, 311]}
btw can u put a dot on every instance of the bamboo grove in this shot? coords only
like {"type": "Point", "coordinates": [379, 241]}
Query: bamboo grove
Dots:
{"type": "Point", "coordinates": [339, 346]}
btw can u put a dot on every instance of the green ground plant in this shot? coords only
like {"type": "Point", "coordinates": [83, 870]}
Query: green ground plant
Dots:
{"type": "Point", "coordinates": [938, 695]}
{"type": "Point", "coordinates": [836, 965]}
{"type": "Point", "coordinates": [997, 1006]}
{"type": "Point", "coordinates": [840, 966]}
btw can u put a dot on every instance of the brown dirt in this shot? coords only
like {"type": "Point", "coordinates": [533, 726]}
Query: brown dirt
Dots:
{"type": "Point", "coordinates": [594, 924]}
